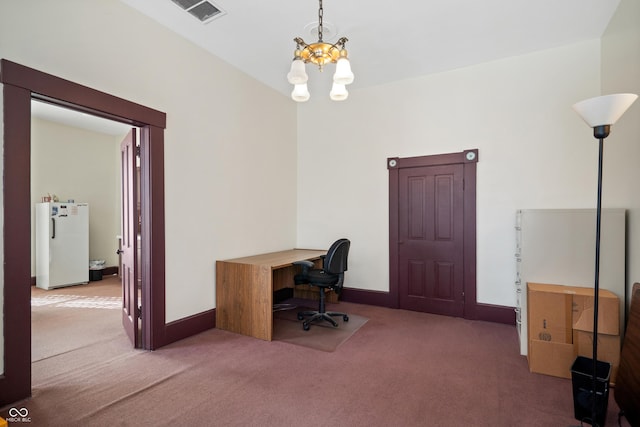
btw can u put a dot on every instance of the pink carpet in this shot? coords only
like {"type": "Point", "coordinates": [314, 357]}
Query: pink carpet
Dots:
{"type": "Point", "coordinates": [400, 368]}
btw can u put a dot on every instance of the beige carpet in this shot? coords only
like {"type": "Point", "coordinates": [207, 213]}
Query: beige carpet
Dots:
{"type": "Point", "coordinates": [70, 318]}
{"type": "Point", "coordinates": [321, 336]}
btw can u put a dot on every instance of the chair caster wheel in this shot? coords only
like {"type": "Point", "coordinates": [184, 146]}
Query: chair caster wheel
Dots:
{"type": "Point", "coordinates": [300, 316]}
{"type": "Point", "coordinates": [345, 318]}
{"type": "Point", "coordinates": [305, 326]}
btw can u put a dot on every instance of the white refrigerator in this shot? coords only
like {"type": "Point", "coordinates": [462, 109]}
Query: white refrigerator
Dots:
{"type": "Point", "coordinates": [62, 244]}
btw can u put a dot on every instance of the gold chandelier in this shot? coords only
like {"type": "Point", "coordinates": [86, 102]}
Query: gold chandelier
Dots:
{"type": "Point", "coordinates": [320, 53]}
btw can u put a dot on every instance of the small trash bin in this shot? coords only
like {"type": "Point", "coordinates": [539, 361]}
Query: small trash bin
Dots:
{"type": "Point", "coordinates": [95, 274]}
{"type": "Point", "coordinates": [582, 381]}
{"type": "Point", "coordinates": [95, 269]}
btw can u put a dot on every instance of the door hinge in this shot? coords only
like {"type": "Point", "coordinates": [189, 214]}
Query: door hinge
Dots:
{"type": "Point", "coordinates": [137, 151]}
{"type": "Point", "coordinates": [139, 312]}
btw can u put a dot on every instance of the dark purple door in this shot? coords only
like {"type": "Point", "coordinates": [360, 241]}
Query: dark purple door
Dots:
{"type": "Point", "coordinates": [129, 238]}
{"type": "Point", "coordinates": [430, 239]}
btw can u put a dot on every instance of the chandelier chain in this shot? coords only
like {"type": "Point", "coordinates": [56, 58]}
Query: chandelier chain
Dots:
{"type": "Point", "coordinates": [320, 14]}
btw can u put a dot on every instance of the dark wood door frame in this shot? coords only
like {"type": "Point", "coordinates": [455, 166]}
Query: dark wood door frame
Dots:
{"type": "Point", "coordinates": [469, 160]}
{"type": "Point", "coordinates": [20, 85]}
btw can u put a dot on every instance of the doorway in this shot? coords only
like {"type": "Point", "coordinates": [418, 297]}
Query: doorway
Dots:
{"type": "Point", "coordinates": [75, 158]}
{"type": "Point", "coordinates": [432, 233]}
{"type": "Point", "coordinates": [20, 85]}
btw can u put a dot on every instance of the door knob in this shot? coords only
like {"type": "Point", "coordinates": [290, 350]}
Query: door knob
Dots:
{"type": "Point", "coordinates": [119, 251]}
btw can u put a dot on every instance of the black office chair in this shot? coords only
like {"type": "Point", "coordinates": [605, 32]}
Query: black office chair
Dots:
{"type": "Point", "coordinates": [331, 276]}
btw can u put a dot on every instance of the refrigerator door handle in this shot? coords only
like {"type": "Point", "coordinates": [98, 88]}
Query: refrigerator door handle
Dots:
{"type": "Point", "coordinates": [53, 223]}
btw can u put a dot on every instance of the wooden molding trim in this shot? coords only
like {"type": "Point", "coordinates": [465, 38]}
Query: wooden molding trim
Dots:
{"type": "Point", "coordinates": [110, 271]}
{"type": "Point", "coordinates": [46, 87]}
{"type": "Point", "coordinates": [362, 296]}
{"type": "Point", "coordinates": [495, 313]}
{"type": "Point", "coordinates": [15, 383]}
{"type": "Point", "coordinates": [485, 312]}
{"type": "Point", "coordinates": [188, 326]}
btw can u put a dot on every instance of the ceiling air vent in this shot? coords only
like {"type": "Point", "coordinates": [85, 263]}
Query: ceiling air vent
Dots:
{"type": "Point", "coordinates": [205, 11]}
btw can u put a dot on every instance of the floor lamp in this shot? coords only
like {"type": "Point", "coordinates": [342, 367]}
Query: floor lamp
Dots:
{"type": "Point", "coordinates": [600, 113]}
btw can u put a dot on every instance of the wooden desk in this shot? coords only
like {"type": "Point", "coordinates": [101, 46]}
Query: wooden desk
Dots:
{"type": "Point", "coordinates": [244, 289]}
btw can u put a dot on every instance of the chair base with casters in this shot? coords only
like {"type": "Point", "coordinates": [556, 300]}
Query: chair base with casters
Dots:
{"type": "Point", "coordinates": [321, 314]}
{"type": "Point", "coordinates": [330, 277]}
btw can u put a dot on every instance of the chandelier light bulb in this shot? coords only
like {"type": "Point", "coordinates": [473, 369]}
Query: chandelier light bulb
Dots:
{"type": "Point", "coordinates": [300, 93]}
{"type": "Point", "coordinates": [297, 75]}
{"type": "Point", "coordinates": [343, 75]}
{"type": "Point", "coordinates": [338, 92]}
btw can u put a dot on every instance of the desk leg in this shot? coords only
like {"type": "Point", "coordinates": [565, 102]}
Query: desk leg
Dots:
{"type": "Point", "coordinates": [244, 299]}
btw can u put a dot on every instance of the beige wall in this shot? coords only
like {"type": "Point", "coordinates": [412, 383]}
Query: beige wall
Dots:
{"type": "Point", "coordinates": [621, 173]}
{"type": "Point", "coordinates": [230, 142]}
{"type": "Point", "coordinates": [241, 167]}
{"type": "Point", "coordinates": [534, 152]}
{"type": "Point", "coordinates": [77, 164]}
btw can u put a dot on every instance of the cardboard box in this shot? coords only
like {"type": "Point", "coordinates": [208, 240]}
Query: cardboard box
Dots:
{"type": "Point", "coordinates": [551, 358]}
{"type": "Point", "coordinates": [609, 342]}
{"type": "Point", "coordinates": [550, 315]}
{"type": "Point", "coordinates": [608, 312]}
{"type": "Point", "coordinates": [560, 324]}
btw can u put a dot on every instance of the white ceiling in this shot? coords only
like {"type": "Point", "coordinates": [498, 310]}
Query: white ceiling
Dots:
{"type": "Point", "coordinates": [388, 41]}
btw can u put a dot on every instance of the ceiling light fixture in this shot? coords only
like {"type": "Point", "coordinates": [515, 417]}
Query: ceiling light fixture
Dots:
{"type": "Point", "coordinates": [320, 53]}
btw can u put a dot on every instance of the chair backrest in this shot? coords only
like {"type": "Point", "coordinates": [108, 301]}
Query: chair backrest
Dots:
{"type": "Point", "coordinates": [336, 260]}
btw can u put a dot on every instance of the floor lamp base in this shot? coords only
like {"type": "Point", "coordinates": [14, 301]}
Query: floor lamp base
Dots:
{"type": "Point", "coordinates": [582, 382]}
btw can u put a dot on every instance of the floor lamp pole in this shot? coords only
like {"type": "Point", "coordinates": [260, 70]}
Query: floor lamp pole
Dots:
{"type": "Point", "coordinates": [596, 111]}
{"type": "Point", "coordinates": [597, 282]}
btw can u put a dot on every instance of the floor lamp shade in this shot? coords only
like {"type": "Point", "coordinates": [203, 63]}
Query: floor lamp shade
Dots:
{"type": "Point", "coordinates": [604, 110]}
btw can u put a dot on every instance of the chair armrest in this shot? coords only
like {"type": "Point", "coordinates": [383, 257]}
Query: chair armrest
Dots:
{"type": "Point", "coordinates": [302, 277]}
{"type": "Point", "coordinates": [304, 263]}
